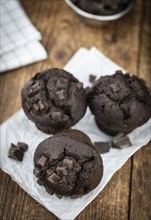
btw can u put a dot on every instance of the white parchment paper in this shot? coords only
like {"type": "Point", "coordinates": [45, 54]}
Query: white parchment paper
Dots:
{"type": "Point", "coordinates": [19, 128]}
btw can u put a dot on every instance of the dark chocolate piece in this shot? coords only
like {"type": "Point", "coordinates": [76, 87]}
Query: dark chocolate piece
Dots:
{"type": "Point", "coordinates": [15, 153]}
{"type": "Point", "coordinates": [114, 87]}
{"type": "Point", "coordinates": [40, 182]}
{"type": "Point", "coordinates": [30, 93]}
{"type": "Point", "coordinates": [121, 141]}
{"type": "Point", "coordinates": [53, 178]}
{"type": "Point", "coordinates": [59, 196]}
{"type": "Point", "coordinates": [36, 107]}
{"type": "Point", "coordinates": [50, 191]}
{"type": "Point", "coordinates": [41, 105]}
{"type": "Point", "coordinates": [36, 171]}
{"type": "Point", "coordinates": [103, 147]}
{"type": "Point", "coordinates": [42, 161]}
{"type": "Point", "coordinates": [68, 163]}
{"type": "Point", "coordinates": [62, 84]}
{"type": "Point", "coordinates": [49, 172]}
{"type": "Point", "coordinates": [22, 146]}
{"type": "Point", "coordinates": [56, 116]}
{"type": "Point", "coordinates": [60, 94]}
{"type": "Point", "coordinates": [92, 78]}
{"type": "Point", "coordinates": [36, 87]}
{"type": "Point", "coordinates": [61, 171]}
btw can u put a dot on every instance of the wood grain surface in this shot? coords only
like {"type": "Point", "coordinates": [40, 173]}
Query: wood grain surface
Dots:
{"type": "Point", "coordinates": [127, 41]}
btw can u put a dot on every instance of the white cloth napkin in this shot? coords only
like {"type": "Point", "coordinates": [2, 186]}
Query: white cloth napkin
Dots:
{"type": "Point", "coordinates": [19, 128]}
{"type": "Point", "coordinates": [19, 38]}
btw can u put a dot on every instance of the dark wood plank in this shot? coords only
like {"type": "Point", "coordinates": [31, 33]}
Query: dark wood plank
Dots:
{"type": "Point", "coordinates": [140, 200]}
{"type": "Point", "coordinates": [63, 33]}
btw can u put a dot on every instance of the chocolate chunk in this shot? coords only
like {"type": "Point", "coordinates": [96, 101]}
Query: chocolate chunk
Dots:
{"type": "Point", "coordinates": [39, 181]}
{"type": "Point", "coordinates": [26, 106]}
{"type": "Point", "coordinates": [118, 71]}
{"type": "Point", "coordinates": [30, 93]}
{"type": "Point", "coordinates": [60, 94]}
{"type": "Point", "coordinates": [121, 141]}
{"type": "Point", "coordinates": [35, 107]}
{"type": "Point", "coordinates": [68, 163]}
{"type": "Point", "coordinates": [49, 172]}
{"type": "Point", "coordinates": [114, 87]}
{"type": "Point", "coordinates": [41, 105]}
{"type": "Point", "coordinates": [15, 153]}
{"type": "Point", "coordinates": [102, 147]}
{"type": "Point", "coordinates": [36, 87]}
{"type": "Point", "coordinates": [59, 196]}
{"type": "Point", "coordinates": [42, 161]}
{"type": "Point", "coordinates": [61, 171]}
{"type": "Point", "coordinates": [48, 190]}
{"type": "Point", "coordinates": [53, 178]}
{"type": "Point", "coordinates": [22, 146]}
{"type": "Point", "coordinates": [36, 171]}
{"type": "Point", "coordinates": [92, 78]}
{"type": "Point", "coordinates": [62, 83]}
{"type": "Point", "coordinates": [56, 116]}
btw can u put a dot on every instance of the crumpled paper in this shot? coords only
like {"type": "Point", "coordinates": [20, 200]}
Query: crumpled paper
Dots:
{"type": "Point", "coordinates": [19, 128]}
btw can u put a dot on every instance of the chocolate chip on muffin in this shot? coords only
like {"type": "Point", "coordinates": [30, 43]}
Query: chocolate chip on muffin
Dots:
{"type": "Point", "coordinates": [67, 164]}
{"type": "Point", "coordinates": [120, 103]}
{"type": "Point", "coordinates": [53, 99]}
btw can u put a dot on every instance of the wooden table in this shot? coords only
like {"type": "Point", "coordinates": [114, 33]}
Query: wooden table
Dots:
{"type": "Point", "coordinates": [127, 42]}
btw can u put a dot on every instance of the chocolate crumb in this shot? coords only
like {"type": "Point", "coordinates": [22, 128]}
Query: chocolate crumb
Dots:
{"type": "Point", "coordinates": [92, 78]}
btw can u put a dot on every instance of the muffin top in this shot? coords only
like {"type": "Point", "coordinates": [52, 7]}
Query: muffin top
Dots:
{"type": "Point", "coordinates": [120, 102]}
{"type": "Point", "coordinates": [67, 165]}
{"type": "Point", "coordinates": [54, 100]}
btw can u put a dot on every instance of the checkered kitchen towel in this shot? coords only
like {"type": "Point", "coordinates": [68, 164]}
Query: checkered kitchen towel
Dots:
{"type": "Point", "coordinates": [19, 38]}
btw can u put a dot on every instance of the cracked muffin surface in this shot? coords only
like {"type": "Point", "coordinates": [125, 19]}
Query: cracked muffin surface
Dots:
{"type": "Point", "coordinates": [68, 164]}
{"type": "Point", "coordinates": [54, 99]}
{"type": "Point", "coordinates": [120, 103]}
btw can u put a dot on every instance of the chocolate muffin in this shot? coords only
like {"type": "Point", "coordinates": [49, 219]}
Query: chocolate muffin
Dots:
{"type": "Point", "coordinates": [67, 164]}
{"type": "Point", "coordinates": [53, 99]}
{"type": "Point", "coordinates": [120, 103]}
